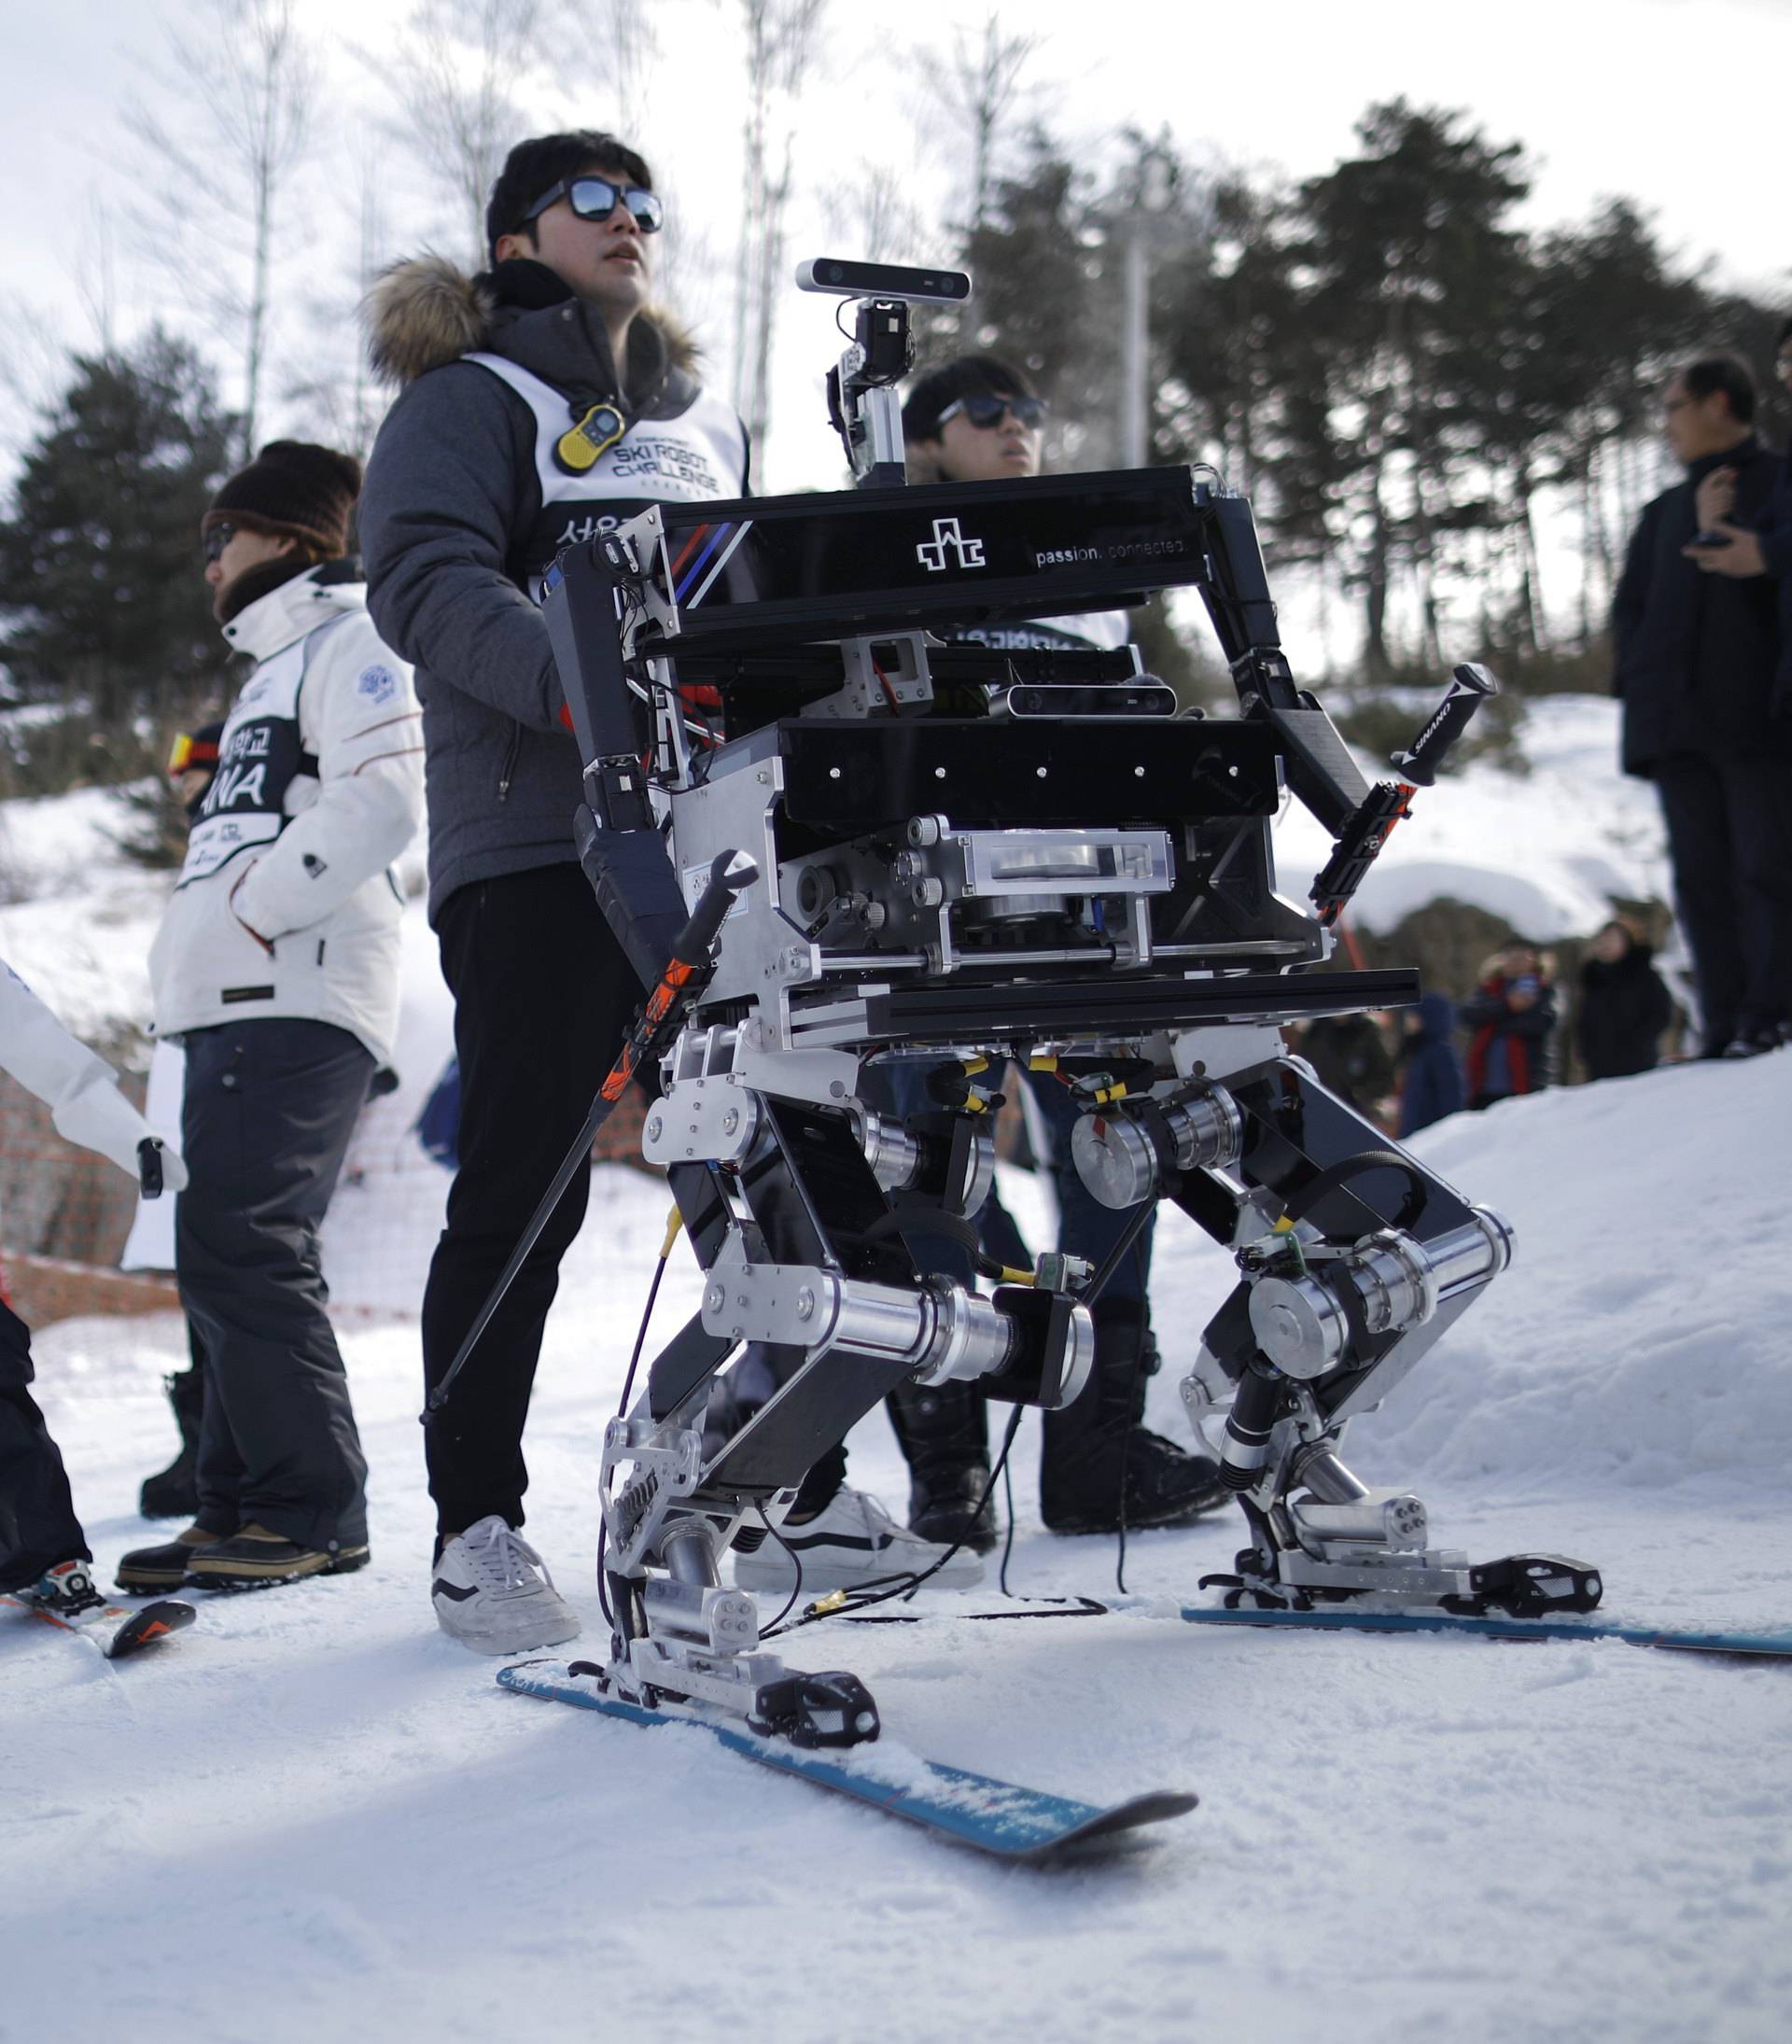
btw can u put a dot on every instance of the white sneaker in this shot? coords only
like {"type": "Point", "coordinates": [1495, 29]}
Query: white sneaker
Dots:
{"type": "Point", "coordinates": [493, 1592]}
{"type": "Point", "coordinates": [848, 1544]}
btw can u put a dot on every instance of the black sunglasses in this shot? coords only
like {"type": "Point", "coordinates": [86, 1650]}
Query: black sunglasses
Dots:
{"type": "Point", "coordinates": [986, 411]}
{"type": "Point", "coordinates": [597, 199]}
{"type": "Point", "coordinates": [216, 540]}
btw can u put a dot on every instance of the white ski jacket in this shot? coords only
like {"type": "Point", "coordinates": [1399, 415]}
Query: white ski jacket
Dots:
{"type": "Point", "coordinates": [284, 906]}
{"type": "Point", "coordinates": [80, 1090]}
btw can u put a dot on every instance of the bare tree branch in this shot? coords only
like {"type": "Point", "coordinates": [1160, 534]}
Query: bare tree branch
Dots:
{"type": "Point", "coordinates": [975, 89]}
{"type": "Point", "coordinates": [781, 46]}
{"type": "Point", "coordinates": [241, 85]}
{"type": "Point", "coordinates": [470, 78]}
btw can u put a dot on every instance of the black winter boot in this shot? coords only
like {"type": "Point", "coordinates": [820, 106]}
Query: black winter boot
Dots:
{"type": "Point", "coordinates": [1100, 1463]}
{"type": "Point", "coordinates": [173, 1492]}
{"type": "Point", "coordinates": [943, 1431]}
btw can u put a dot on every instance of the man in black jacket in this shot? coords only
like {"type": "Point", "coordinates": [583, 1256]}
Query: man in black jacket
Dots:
{"type": "Point", "coordinates": [544, 401]}
{"type": "Point", "coordinates": [1696, 661]}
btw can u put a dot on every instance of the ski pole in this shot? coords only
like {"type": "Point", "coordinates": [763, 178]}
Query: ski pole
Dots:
{"type": "Point", "coordinates": [688, 971]}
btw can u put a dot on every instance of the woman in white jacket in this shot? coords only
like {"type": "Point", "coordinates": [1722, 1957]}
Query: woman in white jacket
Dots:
{"type": "Point", "coordinates": [277, 967]}
{"type": "Point", "coordinates": [43, 1551]}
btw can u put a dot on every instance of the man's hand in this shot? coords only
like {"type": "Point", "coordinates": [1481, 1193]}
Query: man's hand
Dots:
{"type": "Point", "coordinates": [1714, 498]}
{"type": "Point", "coordinates": [1517, 1001]}
{"type": "Point", "coordinates": [1741, 559]}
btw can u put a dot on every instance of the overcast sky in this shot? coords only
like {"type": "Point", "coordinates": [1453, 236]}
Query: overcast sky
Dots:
{"type": "Point", "coordinates": [1679, 104]}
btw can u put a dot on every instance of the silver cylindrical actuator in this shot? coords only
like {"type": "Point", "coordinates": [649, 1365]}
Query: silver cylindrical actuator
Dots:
{"type": "Point", "coordinates": [1300, 1324]}
{"type": "Point", "coordinates": [1118, 1161]}
{"type": "Point", "coordinates": [898, 1159]}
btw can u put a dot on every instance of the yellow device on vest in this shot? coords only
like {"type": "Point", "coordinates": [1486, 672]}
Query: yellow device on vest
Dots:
{"type": "Point", "coordinates": [581, 447]}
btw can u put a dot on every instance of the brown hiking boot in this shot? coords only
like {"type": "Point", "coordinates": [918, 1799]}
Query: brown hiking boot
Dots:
{"type": "Point", "coordinates": [164, 1566]}
{"type": "Point", "coordinates": [256, 1558]}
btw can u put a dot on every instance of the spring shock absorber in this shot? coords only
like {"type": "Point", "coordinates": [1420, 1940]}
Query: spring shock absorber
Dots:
{"type": "Point", "coordinates": [1244, 1448]}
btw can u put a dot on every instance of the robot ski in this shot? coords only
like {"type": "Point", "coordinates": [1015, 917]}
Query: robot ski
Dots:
{"type": "Point", "coordinates": [959, 857]}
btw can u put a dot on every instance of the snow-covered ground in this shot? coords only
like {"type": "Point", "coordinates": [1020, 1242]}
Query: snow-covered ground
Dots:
{"type": "Point", "coordinates": [1546, 851]}
{"type": "Point", "coordinates": [313, 1815]}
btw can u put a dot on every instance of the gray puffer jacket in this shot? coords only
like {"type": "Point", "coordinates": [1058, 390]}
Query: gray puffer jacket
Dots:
{"type": "Point", "coordinates": [467, 497]}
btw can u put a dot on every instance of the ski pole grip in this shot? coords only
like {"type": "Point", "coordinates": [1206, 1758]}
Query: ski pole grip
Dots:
{"type": "Point", "coordinates": [729, 873]}
{"type": "Point", "coordinates": [1469, 688]}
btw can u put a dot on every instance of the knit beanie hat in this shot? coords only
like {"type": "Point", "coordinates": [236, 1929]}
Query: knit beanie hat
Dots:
{"type": "Point", "coordinates": [292, 488]}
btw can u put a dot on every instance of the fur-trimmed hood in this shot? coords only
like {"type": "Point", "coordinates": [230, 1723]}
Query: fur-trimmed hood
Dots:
{"type": "Point", "coordinates": [426, 312]}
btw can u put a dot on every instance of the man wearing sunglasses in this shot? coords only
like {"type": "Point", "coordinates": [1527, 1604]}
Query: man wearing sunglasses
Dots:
{"type": "Point", "coordinates": [276, 968]}
{"type": "Point", "coordinates": [543, 402]}
{"type": "Point", "coordinates": [977, 419]}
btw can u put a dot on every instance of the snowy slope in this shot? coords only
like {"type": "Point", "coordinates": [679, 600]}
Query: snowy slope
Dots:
{"type": "Point", "coordinates": [1546, 850]}
{"type": "Point", "coordinates": [313, 1816]}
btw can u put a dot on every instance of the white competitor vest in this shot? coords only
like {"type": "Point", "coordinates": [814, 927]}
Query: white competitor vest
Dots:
{"type": "Point", "coordinates": [260, 757]}
{"type": "Point", "coordinates": [694, 458]}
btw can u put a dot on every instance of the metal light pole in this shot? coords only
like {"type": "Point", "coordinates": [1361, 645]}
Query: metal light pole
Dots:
{"type": "Point", "coordinates": [1138, 223]}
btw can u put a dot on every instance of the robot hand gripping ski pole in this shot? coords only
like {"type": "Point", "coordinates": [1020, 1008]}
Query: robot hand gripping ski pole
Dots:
{"type": "Point", "coordinates": [962, 858]}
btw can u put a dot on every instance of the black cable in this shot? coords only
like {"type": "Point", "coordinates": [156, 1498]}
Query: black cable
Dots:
{"type": "Point", "coordinates": [1334, 1175]}
{"type": "Point", "coordinates": [1128, 1236]}
{"type": "Point", "coordinates": [796, 1563]}
{"type": "Point", "coordinates": [906, 1585]}
{"type": "Point", "coordinates": [640, 1336]}
{"type": "Point", "coordinates": [1008, 1538]}
{"type": "Point", "coordinates": [622, 1410]}
{"type": "Point", "coordinates": [1132, 1386]}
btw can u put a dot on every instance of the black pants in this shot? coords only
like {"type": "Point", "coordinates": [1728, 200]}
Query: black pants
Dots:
{"type": "Point", "coordinates": [948, 1426]}
{"type": "Point", "coordinates": [269, 1109]}
{"type": "Point", "coordinates": [37, 1523]}
{"type": "Point", "coordinates": [1730, 834]}
{"type": "Point", "coordinates": [542, 998]}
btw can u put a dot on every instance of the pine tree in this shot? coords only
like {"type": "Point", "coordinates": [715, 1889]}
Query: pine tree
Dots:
{"type": "Point", "coordinates": [105, 609]}
{"type": "Point", "coordinates": [1409, 245]}
{"type": "Point", "coordinates": [1037, 272]}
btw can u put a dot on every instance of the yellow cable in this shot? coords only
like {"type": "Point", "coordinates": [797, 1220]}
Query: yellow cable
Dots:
{"type": "Point", "coordinates": [673, 1222]}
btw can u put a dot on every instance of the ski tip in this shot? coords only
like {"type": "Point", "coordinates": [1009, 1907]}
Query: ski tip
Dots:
{"type": "Point", "coordinates": [153, 1622]}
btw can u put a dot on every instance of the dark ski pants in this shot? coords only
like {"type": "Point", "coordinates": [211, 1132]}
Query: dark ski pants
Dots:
{"type": "Point", "coordinates": [269, 1109]}
{"type": "Point", "coordinates": [543, 997]}
{"type": "Point", "coordinates": [948, 1425]}
{"type": "Point", "coordinates": [37, 1523]}
{"type": "Point", "coordinates": [1730, 834]}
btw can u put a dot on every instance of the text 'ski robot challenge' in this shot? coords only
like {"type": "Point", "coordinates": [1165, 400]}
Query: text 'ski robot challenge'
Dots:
{"type": "Point", "coordinates": [843, 875]}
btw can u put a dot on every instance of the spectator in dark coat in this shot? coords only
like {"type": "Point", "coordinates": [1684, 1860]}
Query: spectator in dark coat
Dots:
{"type": "Point", "coordinates": [1705, 717]}
{"type": "Point", "coordinates": [1622, 1005]}
{"type": "Point", "coordinates": [1511, 1018]}
{"type": "Point", "coordinates": [1430, 1085]}
{"type": "Point", "coordinates": [1760, 546]}
{"type": "Point", "coordinates": [1352, 1057]}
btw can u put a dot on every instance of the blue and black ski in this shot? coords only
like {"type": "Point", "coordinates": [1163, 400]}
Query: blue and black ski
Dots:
{"type": "Point", "coordinates": [1769, 1646]}
{"type": "Point", "coordinates": [1000, 1818]}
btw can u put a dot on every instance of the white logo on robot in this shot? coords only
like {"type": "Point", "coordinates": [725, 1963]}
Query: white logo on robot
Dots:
{"type": "Point", "coordinates": [931, 553]}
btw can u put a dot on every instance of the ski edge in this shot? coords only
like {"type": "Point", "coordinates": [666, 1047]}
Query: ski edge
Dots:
{"type": "Point", "coordinates": [1737, 1645]}
{"type": "Point", "coordinates": [1078, 1824]}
